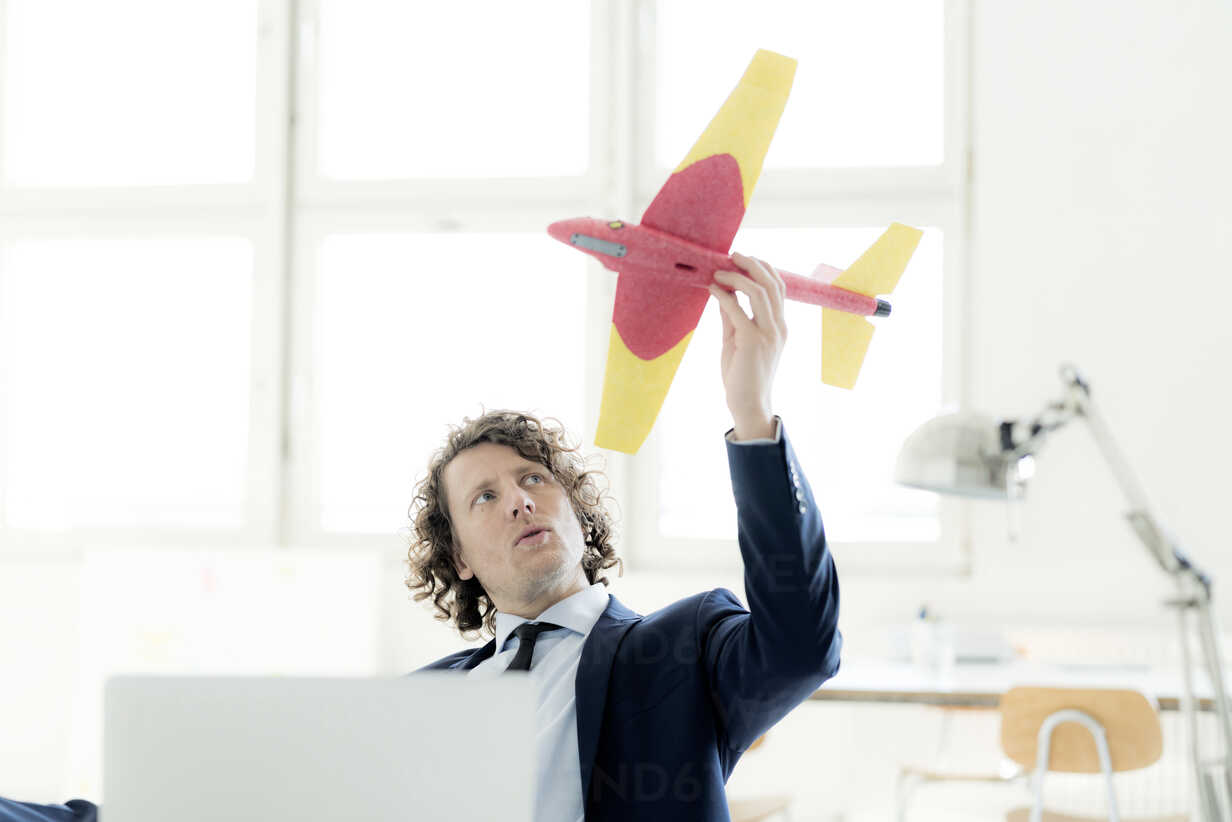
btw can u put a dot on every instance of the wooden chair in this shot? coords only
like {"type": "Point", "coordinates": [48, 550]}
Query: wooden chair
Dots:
{"type": "Point", "coordinates": [1079, 730]}
{"type": "Point", "coordinates": [1067, 730]}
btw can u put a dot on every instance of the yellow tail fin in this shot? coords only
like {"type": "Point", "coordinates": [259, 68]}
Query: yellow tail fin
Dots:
{"type": "Point", "coordinates": [844, 342]}
{"type": "Point", "coordinates": [879, 267]}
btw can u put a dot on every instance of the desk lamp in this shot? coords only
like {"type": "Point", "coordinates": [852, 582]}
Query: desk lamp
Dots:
{"type": "Point", "coordinates": [968, 454]}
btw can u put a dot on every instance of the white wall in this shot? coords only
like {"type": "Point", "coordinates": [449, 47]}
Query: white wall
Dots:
{"type": "Point", "coordinates": [1102, 234]}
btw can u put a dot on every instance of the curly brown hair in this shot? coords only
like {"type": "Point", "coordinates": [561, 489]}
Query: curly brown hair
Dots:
{"type": "Point", "coordinates": [432, 550]}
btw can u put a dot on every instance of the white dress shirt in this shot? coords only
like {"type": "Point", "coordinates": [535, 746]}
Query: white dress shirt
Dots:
{"type": "Point", "coordinates": [558, 774]}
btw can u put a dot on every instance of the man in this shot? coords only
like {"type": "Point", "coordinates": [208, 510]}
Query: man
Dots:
{"type": "Point", "coordinates": [640, 717]}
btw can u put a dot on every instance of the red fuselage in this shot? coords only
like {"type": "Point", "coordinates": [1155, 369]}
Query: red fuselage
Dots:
{"type": "Point", "coordinates": [633, 249]}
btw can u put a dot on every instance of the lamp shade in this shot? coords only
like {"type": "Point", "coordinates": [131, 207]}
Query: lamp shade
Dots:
{"type": "Point", "coordinates": [958, 453]}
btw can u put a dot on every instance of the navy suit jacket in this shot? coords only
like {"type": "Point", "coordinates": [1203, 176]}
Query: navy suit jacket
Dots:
{"type": "Point", "coordinates": [668, 702]}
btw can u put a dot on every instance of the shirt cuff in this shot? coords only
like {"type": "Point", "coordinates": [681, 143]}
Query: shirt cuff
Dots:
{"type": "Point", "coordinates": [778, 435]}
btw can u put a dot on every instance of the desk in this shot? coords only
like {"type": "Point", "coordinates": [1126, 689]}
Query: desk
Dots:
{"type": "Point", "coordinates": [980, 685]}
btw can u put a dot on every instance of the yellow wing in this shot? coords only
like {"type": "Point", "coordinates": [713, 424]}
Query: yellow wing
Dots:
{"type": "Point", "coordinates": [745, 124]}
{"type": "Point", "coordinates": [705, 198]}
{"type": "Point", "coordinates": [703, 201]}
{"type": "Point", "coordinates": [633, 392]}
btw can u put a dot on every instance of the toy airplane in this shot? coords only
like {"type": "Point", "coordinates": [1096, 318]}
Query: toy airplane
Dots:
{"type": "Point", "coordinates": [667, 263]}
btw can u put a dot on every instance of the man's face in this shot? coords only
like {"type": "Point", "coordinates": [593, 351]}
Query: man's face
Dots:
{"type": "Point", "coordinates": [495, 495]}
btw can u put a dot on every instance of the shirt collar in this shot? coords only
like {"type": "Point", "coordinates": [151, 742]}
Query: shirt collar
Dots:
{"type": "Point", "coordinates": [578, 612]}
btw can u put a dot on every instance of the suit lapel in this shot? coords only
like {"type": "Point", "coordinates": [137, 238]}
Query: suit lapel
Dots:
{"type": "Point", "coordinates": [590, 686]}
{"type": "Point", "coordinates": [466, 663]}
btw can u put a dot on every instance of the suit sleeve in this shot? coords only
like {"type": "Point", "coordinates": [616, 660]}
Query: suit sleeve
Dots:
{"type": "Point", "coordinates": [763, 661]}
{"type": "Point", "coordinates": [75, 810]}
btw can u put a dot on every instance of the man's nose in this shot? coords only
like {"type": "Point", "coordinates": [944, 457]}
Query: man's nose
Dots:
{"type": "Point", "coordinates": [523, 504]}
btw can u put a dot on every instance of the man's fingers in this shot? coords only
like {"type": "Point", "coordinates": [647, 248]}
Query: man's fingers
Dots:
{"type": "Point", "coordinates": [759, 298]}
{"type": "Point", "coordinates": [777, 278]}
{"type": "Point", "coordinates": [781, 302]}
{"type": "Point", "coordinates": [730, 306]}
{"type": "Point", "coordinates": [728, 328]}
{"type": "Point", "coordinates": [771, 283]}
{"type": "Point", "coordinates": [770, 279]}
{"type": "Point", "coordinates": [761, 271]}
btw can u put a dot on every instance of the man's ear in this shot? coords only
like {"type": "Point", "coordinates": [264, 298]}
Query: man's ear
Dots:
{"type": "Point", "coordinates": [459, 564]}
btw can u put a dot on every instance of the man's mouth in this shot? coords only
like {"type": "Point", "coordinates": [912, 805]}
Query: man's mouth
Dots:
{"type": "Point", "coordinates": [534, 536]}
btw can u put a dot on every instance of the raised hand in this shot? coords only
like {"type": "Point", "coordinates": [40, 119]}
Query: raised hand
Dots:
{"type": "Point", "coordinates": [751, 345]}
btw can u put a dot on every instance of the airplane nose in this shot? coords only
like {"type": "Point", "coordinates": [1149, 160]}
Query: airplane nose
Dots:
{"type": "Point", "coordinates": [561, 230]}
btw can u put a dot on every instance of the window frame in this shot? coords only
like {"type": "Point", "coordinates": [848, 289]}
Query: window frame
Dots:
{"type": "Point", "coordinates": [324, 206]}
{"type": "Point", "coordinates": [286, 209]}
{"type": "Point", "coordinates": [935, 196]}
{"type": "Point", "coordinates": [252, 210]}
{"type": "Point", "coordinates": [263, 399]}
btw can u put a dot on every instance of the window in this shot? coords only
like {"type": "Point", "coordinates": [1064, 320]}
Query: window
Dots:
{"type": "Point", "coordinates": [868, 90]}
{"type": "Point", "coordinates": [128, 93]}
{"type": "Point", "coordinates": [127, 364]}
{"type": "Point", "coordinates": [869, 136]}
{"type": "Point", "coordinates": [257, 257]}
{"type": "Point", "coordinates": [426, 287]}
{"type": "Point", "coordinates": [414, 331]}
{"type": "Point", "coordinates": [400, 95]}
{"type": "Point", "coordinates": [139, 269]}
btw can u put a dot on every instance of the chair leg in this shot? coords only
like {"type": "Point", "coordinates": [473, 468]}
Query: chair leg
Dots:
{"type": "Point", "coordinates": [903, 789]}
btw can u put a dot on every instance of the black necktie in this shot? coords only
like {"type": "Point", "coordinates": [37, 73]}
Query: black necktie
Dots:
{"type": "Point", "coordinates": [527, 633]}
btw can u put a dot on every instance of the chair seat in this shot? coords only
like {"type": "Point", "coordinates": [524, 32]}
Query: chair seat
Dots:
{"type": "Point", "coordinates": [1024, 814]}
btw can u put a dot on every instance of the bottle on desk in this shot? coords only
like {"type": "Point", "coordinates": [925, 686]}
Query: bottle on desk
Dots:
{"type": "Point", "coordinates": [932, 644]}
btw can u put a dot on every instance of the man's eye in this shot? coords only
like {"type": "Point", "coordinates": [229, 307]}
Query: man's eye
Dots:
{"type": "Point", "coordinates": [481, 496]}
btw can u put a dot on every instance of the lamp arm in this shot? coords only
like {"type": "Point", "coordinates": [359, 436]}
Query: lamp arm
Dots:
{"type": "Point", "coordinates": [1140, 516]}
{"type": "Point", "coordinates": [1020, 438]}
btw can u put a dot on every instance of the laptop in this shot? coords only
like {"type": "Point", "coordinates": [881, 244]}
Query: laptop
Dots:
{"type": "Point", "coordinates": [435, 745]}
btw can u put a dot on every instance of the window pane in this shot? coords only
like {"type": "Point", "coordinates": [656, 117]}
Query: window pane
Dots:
{"type": "Point", "coordinates": [868, 90]}
{"type": "Point", "coordinates": [846, 441]}
{"type": "Point", "coordinates": [413, 333]}
{"type": "Point", "coordinates": [453, 89]}
{"type": "Point", "coordinates": [130, 92]}
{"type": "Point", "coordinates": [126, 370]}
